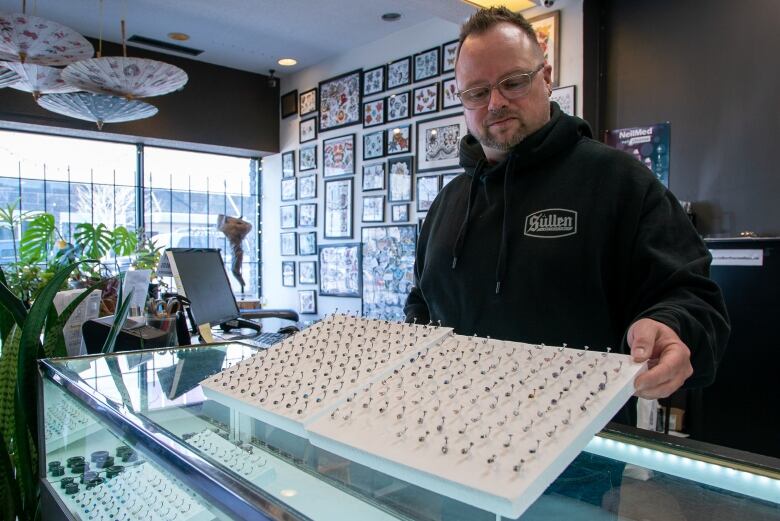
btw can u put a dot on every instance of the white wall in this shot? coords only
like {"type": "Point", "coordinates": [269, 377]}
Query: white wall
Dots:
{"type": "Point", "coordinates": [403, 43]}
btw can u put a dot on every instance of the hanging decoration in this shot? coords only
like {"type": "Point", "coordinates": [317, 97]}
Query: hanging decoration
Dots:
{"type": "Point", "coordinates": [31, 39]}
{"type": "Point", "coordinates": [38, 79]}
{"type": "Point", "coordinates": [99, 108]}
{"type": "Point", "coordinates": [7, 77]}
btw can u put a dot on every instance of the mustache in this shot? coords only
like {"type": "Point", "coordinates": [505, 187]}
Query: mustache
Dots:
{"type": "Point", "coordinates": [498, 115]}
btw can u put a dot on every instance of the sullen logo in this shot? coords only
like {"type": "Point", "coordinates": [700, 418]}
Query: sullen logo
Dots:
{"type": "Point", "coordinates": [551, 223]}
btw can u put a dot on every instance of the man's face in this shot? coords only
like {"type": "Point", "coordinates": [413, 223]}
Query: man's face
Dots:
{"type": "Point", "coordinates": [490, 57]}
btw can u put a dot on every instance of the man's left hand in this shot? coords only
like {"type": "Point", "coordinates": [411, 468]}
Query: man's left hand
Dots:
{"type": "Point", "coordinates": [668, 358]}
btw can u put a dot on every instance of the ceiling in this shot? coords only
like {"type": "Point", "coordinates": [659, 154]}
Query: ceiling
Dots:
{"type": "Point", "coordinates": [250, 35]}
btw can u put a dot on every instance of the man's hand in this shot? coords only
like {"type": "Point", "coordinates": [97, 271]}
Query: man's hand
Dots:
{"type": "Point", "coordinates": [669, 359]}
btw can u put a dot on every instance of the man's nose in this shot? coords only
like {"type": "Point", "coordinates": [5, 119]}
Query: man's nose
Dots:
{"type": "Point", "coordinates": [497, 100]}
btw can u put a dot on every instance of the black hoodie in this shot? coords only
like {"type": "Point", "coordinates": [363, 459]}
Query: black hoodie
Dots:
{"type": "Point", "coordinates": [565, 241]}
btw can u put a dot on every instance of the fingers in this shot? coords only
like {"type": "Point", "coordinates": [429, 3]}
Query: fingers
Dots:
{"type": "Point", "coordinates": [673, 368]}
{"type": "Point", "coordinates": [642, 337]}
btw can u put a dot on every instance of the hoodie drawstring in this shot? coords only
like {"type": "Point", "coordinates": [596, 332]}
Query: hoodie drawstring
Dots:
{"type": "Point", "coordinates": [456, 249]}
{"type": "Point", "coordinates": [502, 250]}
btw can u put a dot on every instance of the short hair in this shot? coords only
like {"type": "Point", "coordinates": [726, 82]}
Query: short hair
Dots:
{"type": "Point", "coordinates": [485, 19]}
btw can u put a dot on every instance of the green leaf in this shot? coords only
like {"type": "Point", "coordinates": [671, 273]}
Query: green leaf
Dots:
{"type": "Point", "coordinates": [119, 320]}
{"type": "Point", "coordinates": [54, 339]}
{"type": "Point", "coordinates": [26, 456]}
{"type": "Point", "coordinates": [94, 241]}
{"type": "Point", "coordinates": [9, 490]}
{"type": "Point", "coordinates": [8, 365]}
{"type": "Point", "coordinates": [38, 239]}
{"type": "Point", "coordinates": [124, 241]}
{"type": "Point", "coordinates": [11, 304]}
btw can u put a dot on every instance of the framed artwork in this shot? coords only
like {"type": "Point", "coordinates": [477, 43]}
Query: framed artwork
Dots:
{"type": "Point", "coordinates": [374, 80]}
{"type": "Point", "coordinates": [374, 209]}
{"type": "Point", "coordinates": [307, 272]}
{"type": "Point", "coordinates": [308, 102]}
{"type": "Point", "coordinates": [438, 140]}
{"type": "Point", "coordinates": [400, 172]}
{"type": "Point", "coordinates": [399, 72]}
{"type": "Point", "coordinates": [373, 113]}
{"type": "Point", "coordinates": [307, 130]}
{"type": "Point", "coordinates": [307, 158]}
{"type": "Point", "coordinates": [399, 140]}
{"type": "Point", "coordinates": [307, 301]}
{"type": "Point", "coordinates": [340, 101]}
{"type": "Point", "coordinates": [340, 270]}
{"type": "Point", "coordinates": [427, 188]}
{"type": "Point", "coordinates": [307, 243]}
{"type": "Point", "coordinates": [449, 51]}
{"type": "Point", "coordinates": [373, 144]}
{"type": "Point", "coordinates": [388, 269]}
{"type": "Point", "coordinates": [426, 64]}
{"type": "Point", "coordinates": [426, 99]}
{"type": "Point", "coordinates": [399, 213]}
{"type": "Point", "coordinates": [288, 243]}
{"type": "Point", "coordinates": [287, 216]}
{"type": "Point", "coordinates": [338, 156]}
{"type": "Point", "coordinates": [290, 104]}
{"type": "Point", "coordinates": [374, 177]}
{"type": "Point", "coordinates": [338, 209]}
{"type": "Point", "coordinates": [307, 187]}
{"type": "Point", "coordinates": [307, 215]}
{"type": "Point", "coordinates": [288, 274]}
{"type": "Point", "coordinates": [446, 178]}
{"type": "Point", "coordinates": [288, 164]}
{"type": "Point", "coordinates": [547, 28]}
{"type": "Point", "coordinates": [288, 189]}
{"type": "Point", "coordinates": [449, 94]}
{"type": "Point", "coordinates": [398, 106]}
{"type": "Point", "coordinates": [566, 98]}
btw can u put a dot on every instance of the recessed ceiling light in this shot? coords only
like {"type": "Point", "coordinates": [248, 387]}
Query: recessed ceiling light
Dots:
{"type": "Point", "coordinates": [179, 37]}
{"type": "Point", "coordinates": [391, 17]}
{"type": "Point", "coordinates": [287, 62]}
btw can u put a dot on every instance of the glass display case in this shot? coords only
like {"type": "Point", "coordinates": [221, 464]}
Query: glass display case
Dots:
{"type": "Point", "coordinates": [133, 436]}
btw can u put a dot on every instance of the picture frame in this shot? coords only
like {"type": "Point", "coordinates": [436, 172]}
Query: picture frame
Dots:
{"type": "Point", "coordinates": [307, 102]}
{"type": "Point", "coordinates": [387, 269]}
{"type": "Point", "coordinates": [307, 272]}
{"type": "Point", "coordinates": [566, 98]}
{"type": "Point", "coordinates": [373, 177]}
{"type": "Point", "coordinates": [307, 130]}
{"type": "Point", "coordinates": [338, 208]}
{"type": "Point", "coordinates": [426, 64]}
{"type": "Point", "coordinates": [399, 172]}
{"type": "Point", "coordinates": [427, 189]}
{"type": "Point", "coordinates": [373, 209]}
{"type": "Point", "coordinates": [449, 94]}
{"type": "Point", "coordinates": [307, 215]}
{"type": "Point", "coordinates": [340, 270]}
{"type": "Point", "coordinates": [398, 106]}
{"type": "Point", "coordinates": [289, 104]}
{"type": "Point", "coordinates": [449, 52]}
{"type": "Point", "coordinates": [548, 29]}
{"type": "Point", "coordinates": [288, 189]}
{"type": "Point", "coordinates": [307, 302]}
{"type": "Point", "coordinates": [446, 178]}
{"type": "Point", "coordinates": [373, 145]}
{"type": "Point", "coordinates": [288, 274]}
{"type": "Point", "coordinates": [399, 72]}
{"type": "Point", "coordinates": [373, 113]}
{"type": "Point", "coordinates": [374, 80]}
{"type": "Point", "coordinates": [307, 243]}
{"type": "Point", "coordinates": [340, 99]}
{"type": "Point", "coordinates": [425, 99]}
{"type": "Point", "coordinates": [399, 140]}
{"type": "Point", "coordinates": [288, 164]}
{"type": "Point", "coordinates": [307, 187]}
{"type": "Point", "coordinates": [287, 216]}
{"type": "Point", "coordinates": [288, 244]}
{"type": "Point", "coordinates": [438, 141]}
{"type": "Point", "coordinates": [307, 158]}
{"type": "Point", "coordinates": [338, 156]}
{"type": "Point", "coordinates": [399, 213]}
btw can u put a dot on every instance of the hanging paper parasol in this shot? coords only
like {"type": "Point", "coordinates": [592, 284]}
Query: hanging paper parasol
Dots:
{"type": "Point", "coordinates": [128, 77]}
{"type": "Point", "coordinates": [30, 39]}
{"type": "Point", "coordinates": [99, 108]}
{"type": "Point", "coordinates": [7, 77]}
{"type": "Point", "coordinates": [38, 79]}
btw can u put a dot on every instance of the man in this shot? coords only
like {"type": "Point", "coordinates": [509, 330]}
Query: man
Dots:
{"type": "Point", "coordinates": [553, 237]}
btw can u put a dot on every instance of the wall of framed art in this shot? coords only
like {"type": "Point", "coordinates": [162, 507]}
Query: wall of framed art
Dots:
{"type": "Point", "coordinates": [367, 172]}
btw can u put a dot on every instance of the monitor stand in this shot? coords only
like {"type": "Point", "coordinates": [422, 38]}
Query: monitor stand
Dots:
{"type": "Point", "coordinates": [240, 323]}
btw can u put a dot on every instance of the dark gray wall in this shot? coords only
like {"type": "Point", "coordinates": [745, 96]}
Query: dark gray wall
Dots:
{"type": "Point", "coordinates": [218, 107]}
{"type": "Point", "coordinates": [710, 68]}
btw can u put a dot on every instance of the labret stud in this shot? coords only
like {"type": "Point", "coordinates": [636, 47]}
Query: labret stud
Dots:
{"type": "Point", "coordinates": [445, 448]}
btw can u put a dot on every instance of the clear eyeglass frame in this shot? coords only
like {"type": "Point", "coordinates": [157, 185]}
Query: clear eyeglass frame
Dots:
{"type": "Point", "coordinates": [511, 87]}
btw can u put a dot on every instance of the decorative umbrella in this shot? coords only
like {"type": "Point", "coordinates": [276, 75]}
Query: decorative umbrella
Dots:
{"type": "Point", "coordinates": [7, 77]}
{"type": "Point", "coordinates": [99, 108]}
{"type": "Point", "coordinates": [38, 79]}
{"type": "Point", "coordinates": [127, 77]}
{"type": "Point", "coordinates": [30, 39]}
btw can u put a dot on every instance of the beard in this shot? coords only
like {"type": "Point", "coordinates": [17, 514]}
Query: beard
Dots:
{"type": "Point", "coordinates": [488, 139]}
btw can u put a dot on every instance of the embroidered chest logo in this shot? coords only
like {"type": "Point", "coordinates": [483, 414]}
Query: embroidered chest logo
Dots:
{"type": "Point", "coordinates": [551, 223]}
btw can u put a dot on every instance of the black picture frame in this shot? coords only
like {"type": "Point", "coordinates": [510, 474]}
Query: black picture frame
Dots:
{"type": "Point", "coordinates": [427, 64]}
{"type": "Point", "coordinates": [307, 102]}
{"type": "Point", "coordinates": [288, 164]}
{"type": "Point", "coordinates": [341, 94]}
{"type": "Point", "coordinates": [399, 73]}
{"type": "Point", "coordinates": [398, 106]}
{"type": "Point", "coordinates": [374, 118]}
{"type": "Point", "coordinates": [288, 244]}
{"type": "Point", "coordinates": [448, 92]}
{"type": "Point", "coordinates": [307, 243]}
{"type": "Point", "coordinates": [308, 125]}
{"type": "Point", "coordinates": [425, 105]}
{"type": "Point", "coordinates": [289, 104]}
{"type": "Point", "coordinates": [424, 203]}
{"type": "Point", "coordinates": [336, 278]}
{"type": "Point", "coordinates": [374, 175]}
{"type": "Point", "coordinates": [399, 213]}
{"type": "Point", "coordinates": [374, 80]}
{"type": "Point", "coordinates": [338, 214]}
{"type": "Point", "coordinates": [288, 190]}
{"type": "Point", "coordinates": [307, 215]}
{"type": "Point", "coordinates": [288, 274]}
{"type": "Point", "coordinates": [370, 202]}
{"type": "Point", "coordinates": [287, 216]}
{"type": "Point", "coordinates": [399, 140]}
{"type": "Point", "coordinates": [449, 52]}
{"type": "Point", "coordinates": [338, 156]}
{"type": "Point", "coordinates": [443, 144]}
{"type": "Point", "coordinates": [307, 187]}
{"type": "Point", "coordinates": [307, 158]}
{"type": "Point", "coordinates": [305, 268]}
{"type": "Point", "coordinates": [370, 148]}
{"type": "Point", "coordinates": [400, 172]}
{"type": "Point", "coordinates": [307, 302]}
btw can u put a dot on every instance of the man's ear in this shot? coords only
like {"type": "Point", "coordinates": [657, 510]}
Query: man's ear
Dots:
{"type": "Point", "coordinates": [547, 74]}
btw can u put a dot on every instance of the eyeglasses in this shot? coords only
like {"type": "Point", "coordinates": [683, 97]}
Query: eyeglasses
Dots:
{"type": "Point", "coordinates": [511, 87]}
